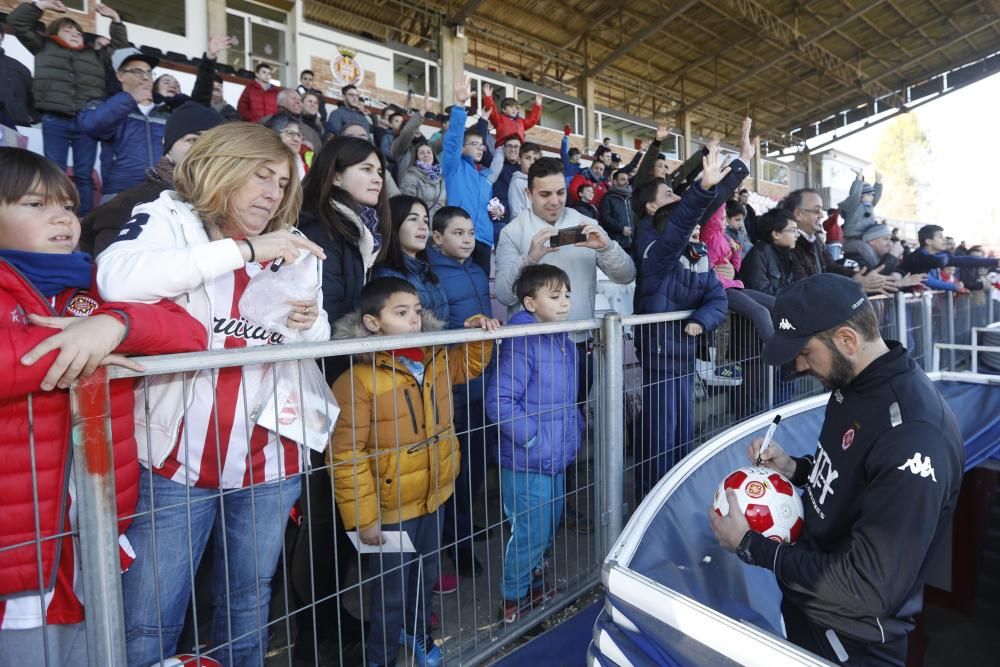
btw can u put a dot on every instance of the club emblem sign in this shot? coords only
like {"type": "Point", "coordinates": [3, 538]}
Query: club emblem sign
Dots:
{"type": "Point", "coordinates": [345, 69]}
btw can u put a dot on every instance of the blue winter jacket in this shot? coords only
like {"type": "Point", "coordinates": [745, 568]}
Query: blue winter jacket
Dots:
{"type": "Point", "coordinates": [468, 292]}
{"type": "Point", "coordinates": [134, 140]}
{"type": "Point", "coordinates": [419, 274]}
{"type": "Point", "coordinates": [570, 169]}
{"type": "Point", "coordinates": [468, 187]}
{"type": "Point", "coordinates": [670, 283]}
{"type": "Point", "coordinates": [532, 397]}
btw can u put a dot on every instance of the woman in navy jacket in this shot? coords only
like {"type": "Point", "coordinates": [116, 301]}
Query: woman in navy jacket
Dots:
{"type": "Point", "coordinates": [676, 276]}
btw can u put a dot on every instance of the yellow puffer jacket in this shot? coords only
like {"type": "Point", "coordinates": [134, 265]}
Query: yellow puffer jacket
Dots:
{"type": "Point", "coordinates": [394, 451]}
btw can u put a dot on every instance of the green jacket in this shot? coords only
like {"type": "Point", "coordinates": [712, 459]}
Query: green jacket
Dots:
{"type": "Point", "coordinates": [65, 80]}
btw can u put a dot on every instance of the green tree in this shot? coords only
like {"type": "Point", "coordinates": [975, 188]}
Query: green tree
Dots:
{"type": "Point", "coordinates": [903, 154]}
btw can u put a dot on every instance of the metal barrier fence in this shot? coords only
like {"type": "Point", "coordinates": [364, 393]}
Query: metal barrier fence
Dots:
{"type": "Point", "coordinates": [222, 572]}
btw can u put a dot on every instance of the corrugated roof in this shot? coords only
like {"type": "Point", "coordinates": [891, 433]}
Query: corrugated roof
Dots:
{"type": "Point", "coordinates": [788, 63]}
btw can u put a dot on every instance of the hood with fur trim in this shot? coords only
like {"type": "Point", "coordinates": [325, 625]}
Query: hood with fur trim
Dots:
{"type": "Point", "coordinates": [351, 326]}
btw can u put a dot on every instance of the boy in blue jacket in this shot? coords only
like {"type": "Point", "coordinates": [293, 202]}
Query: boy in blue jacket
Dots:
{"type": "Point", "coordinates": [532, 396]}
{"type": "Point", "coordinates": [468, 187]}
{"type": "Point", "coordinates": [468, 291]}
{"type": "Point", "coordinates": [676, 276]}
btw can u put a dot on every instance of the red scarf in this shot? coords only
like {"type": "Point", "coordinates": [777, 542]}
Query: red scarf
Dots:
{"type": "Point", "coordinates": [57, 40]}
{"type": "Point", "coordinates": [413, 353]}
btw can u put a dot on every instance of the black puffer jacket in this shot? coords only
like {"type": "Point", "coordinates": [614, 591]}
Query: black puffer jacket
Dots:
{"type": "Point", "coordinates": [65, 80]}
{"type": "Point", "coordinates": [16, 99]}
{"type": "Point", "coordinates": [343, 278]}
{"type": "Point", "coordinates": [616, 215]}
{"type": "Point", "coordinates": [766, 268]}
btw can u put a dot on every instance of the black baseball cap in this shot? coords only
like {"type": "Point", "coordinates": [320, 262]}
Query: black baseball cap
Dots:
{"type": "Point", "coordinates": [809, 307]}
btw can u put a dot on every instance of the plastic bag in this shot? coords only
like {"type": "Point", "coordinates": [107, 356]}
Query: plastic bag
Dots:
{"type": "Point", "coordinates": [265, 300]}
{"type": "Point", "coordinates": [294, 401]}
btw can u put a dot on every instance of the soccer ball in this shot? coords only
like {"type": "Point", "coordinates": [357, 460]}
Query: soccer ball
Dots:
{"type": "Point", "coordinates": [769, 502]}
{"type": "Point", "coordinates": [188, 660]}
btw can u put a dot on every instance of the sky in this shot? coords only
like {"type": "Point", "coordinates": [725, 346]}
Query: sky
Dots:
{"type": "Point", "coordinates": [960, 175]}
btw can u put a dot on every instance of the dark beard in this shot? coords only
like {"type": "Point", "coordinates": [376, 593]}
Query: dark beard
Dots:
{"type": "Point", "coordinates": [841, 370]}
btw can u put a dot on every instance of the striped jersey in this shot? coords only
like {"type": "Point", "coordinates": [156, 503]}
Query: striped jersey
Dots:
{"type": "Point", "coordinates": [219, 445]}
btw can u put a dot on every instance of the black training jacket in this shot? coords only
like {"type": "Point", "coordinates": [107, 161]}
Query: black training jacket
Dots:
{"type": "Point", "coordinates": [879, 496]}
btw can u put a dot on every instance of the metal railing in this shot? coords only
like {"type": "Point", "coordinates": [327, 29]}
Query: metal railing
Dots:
{"type": "Point", "coordinates": [646, 410]}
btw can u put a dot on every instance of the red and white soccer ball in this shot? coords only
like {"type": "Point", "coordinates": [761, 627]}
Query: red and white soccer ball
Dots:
{"type": "Point", "coordinates": [188, 660]}
{"type": "Point", "coordinates": [769, 502]}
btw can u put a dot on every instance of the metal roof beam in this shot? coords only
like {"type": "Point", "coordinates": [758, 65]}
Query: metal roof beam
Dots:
{"type": "Point", "coordinates": [464, 12]}
{"type": "Point", "coordinates": [919, 56]}
{"type": "Point", "coordinates": [635, 40]}
{"type": "Point", "coordinates": [817, 55]}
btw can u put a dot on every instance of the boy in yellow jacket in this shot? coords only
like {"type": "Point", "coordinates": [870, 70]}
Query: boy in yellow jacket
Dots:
{"type": "Point", "coordinates": [395, 457]}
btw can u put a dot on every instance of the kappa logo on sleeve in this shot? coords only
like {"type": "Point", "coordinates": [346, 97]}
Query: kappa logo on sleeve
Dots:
{"type": "Point", "coordinates": [919, 465]}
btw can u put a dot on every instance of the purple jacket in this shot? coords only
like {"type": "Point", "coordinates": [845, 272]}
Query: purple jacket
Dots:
{"type": "Point", "coordinates": [532, 397]}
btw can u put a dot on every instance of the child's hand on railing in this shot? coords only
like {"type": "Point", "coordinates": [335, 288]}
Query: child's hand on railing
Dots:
{"type": "Point", "coordinates": [482, 322]}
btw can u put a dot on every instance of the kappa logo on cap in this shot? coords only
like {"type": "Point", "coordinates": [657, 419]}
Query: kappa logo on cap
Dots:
{"type": "Point", "coordinates": [785, 325]}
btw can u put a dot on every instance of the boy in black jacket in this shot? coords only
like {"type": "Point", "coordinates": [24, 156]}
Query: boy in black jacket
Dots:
{"type": "Point", "coordinates": [879, 492]}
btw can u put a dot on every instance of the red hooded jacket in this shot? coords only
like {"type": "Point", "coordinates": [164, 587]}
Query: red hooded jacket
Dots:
{"type": "Point", "coordinates": [256, 103]}
{"type": "Point", "coordinates": [507, 126]}
{"type": "Point", "coordinates": [150, 329]}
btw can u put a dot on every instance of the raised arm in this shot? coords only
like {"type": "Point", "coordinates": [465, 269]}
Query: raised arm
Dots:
{"type": "Point", "coordinates": [402, 143]}
{"type": "Point", "coordinates": [645, 173]}
{"type": "Point", "coordinates": [534, 116]}
{"type": "Point", "coordinates": [23, 19]}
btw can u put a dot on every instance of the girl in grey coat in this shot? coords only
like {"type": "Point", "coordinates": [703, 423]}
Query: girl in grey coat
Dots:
{"type": "Point", "coordinates": [423, 180]}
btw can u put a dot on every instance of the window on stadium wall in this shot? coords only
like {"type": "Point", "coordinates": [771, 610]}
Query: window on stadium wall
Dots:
{"type": "Point", "coordinates": [259, 34]}
{"type": "Point", "coordinates": [165, 15]}
{"type": "Point", "coordinates": [556, 114]}
{"type": "Point", "coordinates": [774, 172]}
{"type": "Point", "coordinates": [77, 5]}
{"type": "Point", "coordinates": [414, 75]}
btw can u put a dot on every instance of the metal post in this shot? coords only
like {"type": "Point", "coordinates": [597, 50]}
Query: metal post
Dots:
{"type": "Point", "coordinates": [901, 324]}
{"type": "Point", "coordinates": [612, 446]}
{"type": "Point", "coordinates": [950, 318]}
{"type": "Point", "coordinates": [927, 319]}
{"type": "Point", "coordinates": [97, 511]}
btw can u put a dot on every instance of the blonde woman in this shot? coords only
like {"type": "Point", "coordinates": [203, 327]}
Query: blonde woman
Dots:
{"type": "Point", "coordinates": [237, 198]}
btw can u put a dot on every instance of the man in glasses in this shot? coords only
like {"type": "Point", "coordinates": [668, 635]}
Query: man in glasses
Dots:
{"type": "Point", "coordinates": [129, 123]}
{"type": "Point", "coordinates": [810, 256]}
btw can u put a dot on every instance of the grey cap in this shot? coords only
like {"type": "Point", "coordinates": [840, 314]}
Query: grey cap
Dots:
{"type": "Point", "coordinates": [876, 232]}
{"type": "Point", "coordinates": [122, 56]}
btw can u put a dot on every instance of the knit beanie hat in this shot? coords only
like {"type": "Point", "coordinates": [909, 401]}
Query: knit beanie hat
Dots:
{"type": "Point", "coordinates": [189, 118]}
{"type": "Point", "coordinates": [876, 232]}
{"type": "Point", "coordinates": [867, 189]}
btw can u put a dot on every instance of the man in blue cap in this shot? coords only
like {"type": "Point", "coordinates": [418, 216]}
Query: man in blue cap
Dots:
{"type": "Point", "coordinates": [879, 491]}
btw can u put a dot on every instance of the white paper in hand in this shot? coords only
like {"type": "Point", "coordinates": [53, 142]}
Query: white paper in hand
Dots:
{"type": "Point", "coordinates": [396, 541]}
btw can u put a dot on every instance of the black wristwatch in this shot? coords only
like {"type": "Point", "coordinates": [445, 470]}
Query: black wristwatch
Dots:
{"type": "Point", "coordinates": [743, 550]}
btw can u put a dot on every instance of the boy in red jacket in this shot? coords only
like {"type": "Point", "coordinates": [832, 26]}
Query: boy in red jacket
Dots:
{"type": "Point", "coordinates": [510, 123]}
{"type": "Point", "coordinates": [54, 328]}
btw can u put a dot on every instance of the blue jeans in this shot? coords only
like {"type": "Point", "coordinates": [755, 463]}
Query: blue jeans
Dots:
{"type": "Point", "coordinates": [248, 526]}
{"type": "Point", "coordinates": [59, 134]}
{"type": "Point", "coordinates": [402, 589]}
{"type": "Point", "coordinates": [533, 503]}
{"type": "Point", "coordinates": [667, 426]}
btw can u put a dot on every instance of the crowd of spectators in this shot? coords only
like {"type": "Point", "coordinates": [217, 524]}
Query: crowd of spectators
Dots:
{"type": "Point", "coordinates": [404, 231]}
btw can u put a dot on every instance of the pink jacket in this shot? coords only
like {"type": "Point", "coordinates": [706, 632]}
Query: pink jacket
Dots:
{"type": "Point", "coordinates": [719, 250]}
